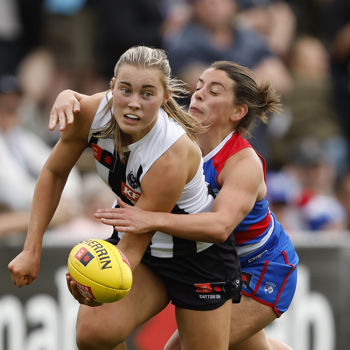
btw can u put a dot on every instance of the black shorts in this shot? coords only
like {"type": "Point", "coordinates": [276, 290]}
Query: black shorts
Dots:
{"type": "Point", "coordinates": [201, 281]}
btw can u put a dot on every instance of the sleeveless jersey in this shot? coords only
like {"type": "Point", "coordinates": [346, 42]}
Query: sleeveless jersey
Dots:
{"type": "Point", "coordinates": [258, 226]}
{"type": "Point", "coordinates": [124, 176]}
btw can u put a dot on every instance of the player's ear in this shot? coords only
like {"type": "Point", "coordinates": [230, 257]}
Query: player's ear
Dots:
{"type": "Point", "coordinates": [239, 112]}
{"type": "Point", "coordinates": [112, 83]}
{"type": "Point", "coordinates": [167, 95]}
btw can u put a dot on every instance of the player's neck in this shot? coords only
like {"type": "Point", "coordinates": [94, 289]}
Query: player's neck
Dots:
{"type": "Point", "coordinates": [212, 138]}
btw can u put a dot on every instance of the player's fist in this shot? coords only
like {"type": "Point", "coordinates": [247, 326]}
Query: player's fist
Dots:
{"type": "Point", "coordinates": [24, 268]}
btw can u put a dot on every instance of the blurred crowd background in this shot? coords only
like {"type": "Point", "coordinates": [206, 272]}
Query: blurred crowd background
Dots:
{"type": "Point", "coordinates": [301, 46]}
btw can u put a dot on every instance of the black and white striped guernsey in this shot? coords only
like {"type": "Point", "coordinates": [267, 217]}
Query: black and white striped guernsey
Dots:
{"type": "Point", "coordinates": [125, 176]}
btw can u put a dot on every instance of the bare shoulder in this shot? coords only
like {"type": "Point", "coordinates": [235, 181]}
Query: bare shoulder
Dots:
{"type": "Point", "coordinates": [245, 167]}
{"type": "Point", "coordinates": [185, 154]}
{"type": "Point", "coordinates": [246, 155]}
{"type": "Point", "coordinates": [187, 147]}
{"type": "Point", "coordinates": [90, 104]}
{"type": "Point", "coordinates": [172, 171]}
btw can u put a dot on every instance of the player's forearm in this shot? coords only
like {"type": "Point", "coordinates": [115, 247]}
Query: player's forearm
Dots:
{"type": "Point", "coordinates": [134, 247]}
{"type": "Point", "coordinates": [206, 227]}
{"type": "Point", "coordinates": [46, 197]}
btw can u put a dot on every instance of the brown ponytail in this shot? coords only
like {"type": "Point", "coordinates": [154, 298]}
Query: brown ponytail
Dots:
{"type": "Point", "coordinates": [261, 100]}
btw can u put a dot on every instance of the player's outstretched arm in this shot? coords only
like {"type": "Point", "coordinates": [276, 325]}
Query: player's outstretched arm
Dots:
{"type": "Point", "coordinates": [24, 268]}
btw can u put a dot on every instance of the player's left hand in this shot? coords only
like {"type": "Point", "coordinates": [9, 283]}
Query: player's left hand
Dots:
{"type": "Point", "coordinates": [73, 288]}
{"type": "Point", "coordinates": [127, 218]}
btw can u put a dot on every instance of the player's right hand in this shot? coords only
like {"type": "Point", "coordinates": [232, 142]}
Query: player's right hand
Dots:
{"type": "Point", "coordinates": [73, 288]}
{"type": "Point", "coordinates": [24, 268]}
{"type": "Point", "coordinates": [63, 110]}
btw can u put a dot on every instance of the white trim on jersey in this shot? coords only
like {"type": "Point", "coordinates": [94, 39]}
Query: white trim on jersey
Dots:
{"type": "Point", "coordinates": [217, 149]}
{"type": "Point", "coordinates": [250, 248]}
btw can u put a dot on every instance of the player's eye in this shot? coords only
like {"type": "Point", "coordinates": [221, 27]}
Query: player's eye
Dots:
{"type": "Point", "coordinates": [125, 90]}
{"type": "Point", "coordinates": [147, 94]}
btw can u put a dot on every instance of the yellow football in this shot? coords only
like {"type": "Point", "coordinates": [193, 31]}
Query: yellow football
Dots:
{"type": "Point", "coordinates": [101, 270]}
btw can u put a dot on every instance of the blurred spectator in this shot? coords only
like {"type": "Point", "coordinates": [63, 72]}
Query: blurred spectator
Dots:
{"type": "Point", "coordinates": [337, 18]}
{"type": "Point", "coordinates": [309, 16]}
{"type": "Point", "coordinates": [343, 194]}
{"type": "Point", "coordinates": [283, 191]}
{"type": "Point", "coordinates": [125, 23]}
{"type": "Point", "coordinates": [22, 155]}
{"type": "Point", "coordinates": [302, 194]}
{"type": "Point", "coordinates": [41, 82]}
{"type": "Point", "coordinates": [319, 207]}
{"type": "Point", "coordinates": [212, 34]}
{"type": "Point", "coordinates": [95, 195]}
{"type": "Point", "coordinates": [176, 16]}
{"type": "Point", "coordinates": [273, 19]}
{"type": "Point", "coordinates": [70, 28]}
{"type": "Point", "coordinates": [32, 19]}
{"type": "Point", "coordinates": [323, 213]}
{"type": "Point", "coordinates": [312, 108]}
{"type": "Point", "coordinates": [20, 31]}
{"type": "Point", "coordinates": [10, 33]}
{"type": "Point", "coordinates": [37, 77]}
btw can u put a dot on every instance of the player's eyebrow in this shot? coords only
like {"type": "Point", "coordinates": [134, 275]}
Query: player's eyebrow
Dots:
{"type": "Point", "coordinates": [146, 86]}
{"type": "Point", "coordinates": [212, 83]}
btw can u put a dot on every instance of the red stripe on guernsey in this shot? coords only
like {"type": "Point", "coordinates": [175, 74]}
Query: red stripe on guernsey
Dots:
{"type": "Point", "coordinates": [97, 151]}
{"type": "Point", "coordinates": [253, 231]}
{"type": "Point", "coordinates": [235, 144]}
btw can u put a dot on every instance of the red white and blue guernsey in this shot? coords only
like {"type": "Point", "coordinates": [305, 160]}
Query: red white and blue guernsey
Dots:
{"type": "Point", "coordinates": [124, 176]}
{"type": "Point", "coordinates": [267, 255]}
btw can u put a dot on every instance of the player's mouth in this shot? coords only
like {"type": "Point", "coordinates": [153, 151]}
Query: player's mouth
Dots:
{"type": "Point", "coordinates": [131, 118]}
{"type": "Point", "coordinates": [194, 109]}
